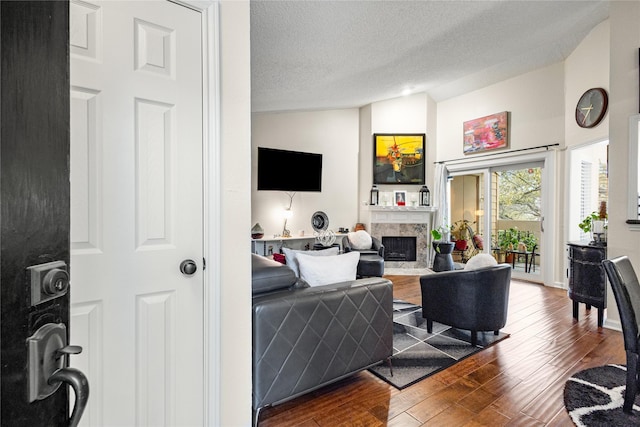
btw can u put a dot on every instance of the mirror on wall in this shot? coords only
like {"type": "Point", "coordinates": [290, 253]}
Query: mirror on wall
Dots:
{"type": "Point", "coordinates": [634, 165]}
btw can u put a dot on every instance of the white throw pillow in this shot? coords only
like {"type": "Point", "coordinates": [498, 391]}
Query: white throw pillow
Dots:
{"type": "Point", "coordinates": [480, 261]}
{"type": "Point", "coordinates": [291, 256]}
{"type": "Point", "coordinates": [360, 240]}
{"type": "Point", "coordinates": [317, 271]}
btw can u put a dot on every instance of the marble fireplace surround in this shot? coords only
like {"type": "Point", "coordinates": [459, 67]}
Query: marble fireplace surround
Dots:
{"type": "Point", "coordinates": [395, 221]}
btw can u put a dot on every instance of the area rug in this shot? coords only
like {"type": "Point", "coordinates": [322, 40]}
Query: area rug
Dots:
{"type": "Point", "coordinates": [418, 354]}
{"type": "Point", "coordinates": [594, 397]}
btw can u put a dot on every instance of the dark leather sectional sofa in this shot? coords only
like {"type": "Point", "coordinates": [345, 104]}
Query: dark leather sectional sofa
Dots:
{"type": "Point", "coordinates": [307, 337]}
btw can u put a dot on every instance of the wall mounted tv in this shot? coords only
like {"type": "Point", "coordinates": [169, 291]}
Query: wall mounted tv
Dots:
{"type": "Point", "coordinates": [285, 170]}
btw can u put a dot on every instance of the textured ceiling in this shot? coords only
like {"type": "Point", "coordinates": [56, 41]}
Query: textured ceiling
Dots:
{"type": "Point", "coordinates": [309, 55]}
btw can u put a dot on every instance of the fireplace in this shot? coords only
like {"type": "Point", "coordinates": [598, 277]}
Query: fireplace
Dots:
{"type": "Point", "coordinates": [399, 248]}
{"type": "Point", "coordinates": [400, 221]}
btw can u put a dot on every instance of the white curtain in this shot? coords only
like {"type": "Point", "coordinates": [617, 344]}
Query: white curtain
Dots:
{"type": "Point", "coordinates": [440, 202]}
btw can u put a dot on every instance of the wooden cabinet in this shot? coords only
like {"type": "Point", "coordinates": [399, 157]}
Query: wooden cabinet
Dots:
{"type": "Point", "coordinates": [587, 279]}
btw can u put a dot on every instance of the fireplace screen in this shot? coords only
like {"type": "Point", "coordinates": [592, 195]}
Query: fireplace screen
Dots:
{"type": "Point", "coordinates": [399, 248]}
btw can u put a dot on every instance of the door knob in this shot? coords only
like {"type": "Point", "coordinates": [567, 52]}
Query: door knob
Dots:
{"type": "Point", "coordinates": [188, 267]}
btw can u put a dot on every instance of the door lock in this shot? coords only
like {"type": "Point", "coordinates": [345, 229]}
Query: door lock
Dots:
{"type": "Point", "coordinates": [48, 281]}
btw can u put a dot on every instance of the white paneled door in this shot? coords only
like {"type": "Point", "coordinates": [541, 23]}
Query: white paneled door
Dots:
{"type": "Point", "coordinates": [136, 210]}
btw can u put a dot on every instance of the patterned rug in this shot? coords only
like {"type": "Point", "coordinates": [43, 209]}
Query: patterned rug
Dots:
{"type": "Point", "coordinates": [594, 397]}
{"type": "Point", "coordinates": [418, 354]}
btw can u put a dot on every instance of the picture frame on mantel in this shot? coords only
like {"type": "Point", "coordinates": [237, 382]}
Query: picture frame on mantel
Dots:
{"type": "Point", "coordinates": [400, 198]}
{"type": "Point", "coordinates": [486, 133]}
{"type": "Point", "coordinates": [399, 158]}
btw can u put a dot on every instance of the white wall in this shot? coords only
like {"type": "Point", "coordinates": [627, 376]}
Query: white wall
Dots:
{"type": "Point", "coordinates": [234, 320]}
{"type": "Point", "coordinates": [399, 115]}
{"type": "Point", "coordinates": [585, 68]}
{"type": "Point", "coordinates": [625, 39]}
{"type": "Point", "coordinates": [407, 114]}
{"type": "Point", "coordinates": [334, 134]}
{"type": "Point", "coordinates": [535, 101]}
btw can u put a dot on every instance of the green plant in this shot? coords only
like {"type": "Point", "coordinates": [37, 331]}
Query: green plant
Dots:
{"type": "Point", "coordinates": [585, 225]}
{"type": "Point", "coordinates": [508, 239]}
{"type": "Point", "coordinates": [461, 229]}
{"type": "Point", "coordinates": [529, 240]}
{"type": "Point", "coordinates": [438, 233]}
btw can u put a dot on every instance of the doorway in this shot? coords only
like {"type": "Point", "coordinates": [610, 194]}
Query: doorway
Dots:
{"type": "Point", "coordinates": [588, 186]}
{"type": "Point", "coordinates": [503, 200]}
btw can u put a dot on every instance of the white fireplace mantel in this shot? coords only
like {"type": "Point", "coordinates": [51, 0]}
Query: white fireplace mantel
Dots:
{"type": "Point", "coordinates": [401, 214]}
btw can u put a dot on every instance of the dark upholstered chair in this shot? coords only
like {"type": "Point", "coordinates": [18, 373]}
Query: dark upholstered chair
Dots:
{"type": "Point", "coordinates": [371, 260]}
{"type": "Point", "coordinates": [626, 290]}
{"type": "Point", "coordinates": [474, 300]}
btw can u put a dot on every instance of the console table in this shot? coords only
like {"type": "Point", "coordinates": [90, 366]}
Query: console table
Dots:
{"type": "Point", "coordinates": [587, 279]}
{"type": "Point", "coordinates": [263, 245]}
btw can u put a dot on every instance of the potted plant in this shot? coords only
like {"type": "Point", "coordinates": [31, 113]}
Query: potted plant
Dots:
{"type": "Point", "coordinates": [461, 233]}
{"type": "Point", "coordinates": [440, 234]}
{"type": "Point", "coordinates": [595, 224]}
{"type": "Point", "coordinates": [585, 225]}
{"type": "Point", "coordinates": [443, 247]}
{"type": "Point", "coordinates": [529, 241]}
{"type": "Point", "coordinates": [507, 241]}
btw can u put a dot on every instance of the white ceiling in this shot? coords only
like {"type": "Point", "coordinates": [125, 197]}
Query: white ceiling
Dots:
{"type": "Point", "coordinates": [316, 54]}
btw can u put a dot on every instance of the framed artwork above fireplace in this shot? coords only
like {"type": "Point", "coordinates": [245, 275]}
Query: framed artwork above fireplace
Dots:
{"type": "Point", "coordinates": [398, 158]}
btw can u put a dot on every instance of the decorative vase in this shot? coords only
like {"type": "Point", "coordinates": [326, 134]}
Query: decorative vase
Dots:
{"type": "Point", "coordinates": [443, 261]}
{"type": "Point", "coordinates": [257, 232]}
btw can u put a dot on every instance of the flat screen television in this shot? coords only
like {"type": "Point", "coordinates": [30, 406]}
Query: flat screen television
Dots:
{"type": "Point", "coordinates": [285, 170]}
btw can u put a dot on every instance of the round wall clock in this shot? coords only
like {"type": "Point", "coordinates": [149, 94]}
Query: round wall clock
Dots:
{"type": "Point", "coordinates": [591, 107]}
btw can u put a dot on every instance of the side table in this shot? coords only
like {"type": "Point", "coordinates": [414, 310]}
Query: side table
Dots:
{"type": "Point", "coordinates": [443, 261]}
{"type": "Point", "coordinates": [587, 280]}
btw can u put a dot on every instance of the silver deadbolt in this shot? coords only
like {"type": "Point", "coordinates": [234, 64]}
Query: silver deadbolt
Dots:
{"type": "Point", "coordinates": [188, 267]}
{"type": "Point", "coordinates": [48, 281]}
{"type": "Point", "coordinates": [55, 281]}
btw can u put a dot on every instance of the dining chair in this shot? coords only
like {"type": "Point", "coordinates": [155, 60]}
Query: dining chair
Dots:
{"type": "Point", "coordinates": [626, 291]}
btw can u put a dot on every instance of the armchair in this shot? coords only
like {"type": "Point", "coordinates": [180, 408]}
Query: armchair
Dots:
{"type": "Point", "coordinates": [371, 258]}
{"type": "Point", "coordinates": [474, 300]}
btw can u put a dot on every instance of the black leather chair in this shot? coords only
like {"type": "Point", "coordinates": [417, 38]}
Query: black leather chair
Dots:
{"type": "Point", "coordinates": [474, 300]}
{"type": "Point", "coordinates": [371, 262]}
{"type": "Point", "coordinates": [626, 290]}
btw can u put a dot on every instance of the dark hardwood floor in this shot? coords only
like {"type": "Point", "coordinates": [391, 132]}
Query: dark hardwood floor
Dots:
{"type": "Point", "coordinates": [517, 382]}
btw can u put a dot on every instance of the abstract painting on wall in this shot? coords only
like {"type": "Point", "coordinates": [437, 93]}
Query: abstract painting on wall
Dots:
{"type": "Point", "coordinates": [398, 158]}
{"type": "Point", "coordinates": [486, 133]}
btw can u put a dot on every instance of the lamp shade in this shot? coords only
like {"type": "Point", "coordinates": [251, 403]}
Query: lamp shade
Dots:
{"type": "Point", "coordinates": [425, 196]}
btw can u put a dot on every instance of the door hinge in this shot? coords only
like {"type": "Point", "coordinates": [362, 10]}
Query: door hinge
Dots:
{"type": "Point", "coordinates": [204, 264]}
